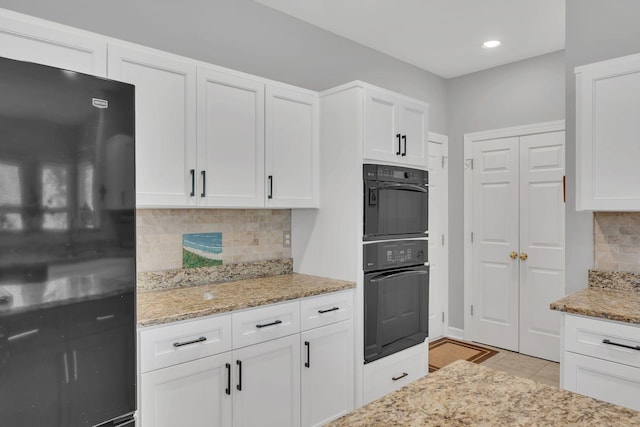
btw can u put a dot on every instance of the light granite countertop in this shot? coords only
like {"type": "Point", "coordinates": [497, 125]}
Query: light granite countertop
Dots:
{"type": "Point", "coordinates": [158, 307]}
{"type": "Point", "coordinates": [467, 394]}
{"type": "Point", "coordinates": [610, 295]}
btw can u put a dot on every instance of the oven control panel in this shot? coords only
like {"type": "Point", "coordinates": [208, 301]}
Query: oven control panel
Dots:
{"type": "Point", "coordinates": [395, 174]}
{"type": "Point", "coordinates": [394, 253]}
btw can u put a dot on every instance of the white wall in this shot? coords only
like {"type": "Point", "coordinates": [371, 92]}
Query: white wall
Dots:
{"type": "Point", "coordinates": [520, 93]}
{"type": "Point", "coordinates": [246, 36]}
{"type": "Point", "coordinates": [596, 30]}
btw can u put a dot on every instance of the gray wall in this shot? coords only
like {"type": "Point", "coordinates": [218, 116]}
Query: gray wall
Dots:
{"type": "Point", "coordinates": [246, 36]}
{"type": "Point", "coordinates": [596, 30]}
{"type": "Point", "coordinates": [520, 93]}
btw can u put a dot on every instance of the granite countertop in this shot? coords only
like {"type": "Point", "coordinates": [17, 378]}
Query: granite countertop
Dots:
{"type": "Point", "coordinates": [465, 393]}
{"type": "Point", "coordinates": [610, 295]}
{"type": "Point", "coordinates": [23, 297]}
{"type": "Point", "coordinates": [158, 307]}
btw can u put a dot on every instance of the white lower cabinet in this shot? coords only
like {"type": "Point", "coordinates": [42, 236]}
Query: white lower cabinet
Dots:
{"type": "Point", "coordinates": [267, 384]}
{"type": "Point", "coordinates": [272, 377]}
{"type": "Point", "coordinates": [189, 394]}
{"type": "Point", "coordinates": [601, 359]}
{"type": "Point", "coordinates": [327, 373]}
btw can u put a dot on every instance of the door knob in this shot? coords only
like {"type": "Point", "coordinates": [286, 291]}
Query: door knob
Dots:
{"type": "Point", "coordinates": [513, 255]}
{"type": "Point", "coordinates": [523, 256]}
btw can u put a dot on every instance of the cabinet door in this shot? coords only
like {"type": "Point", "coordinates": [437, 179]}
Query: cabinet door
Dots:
{"type": "Point", "coordinates": [415, 135]}
{"type": "Point", "coordinates": [601, 379]}
{"type": "Point", "coordinates": [327, 373]}
{"type": "Point", "coordinates": [607, 129]}
{"type": "Point", "coordinates": [382, 140]}
{"type": "Point", "coordinates": [194, 394]}
{"type": "Point", "coordinates": [292, 135]}
{"type": "Point", "coordinates": [267, 384]}
{"type": "Point", "coordinates": [105, 359]}
{"type": "Point", "coordinates": [230, 140]}
{"type": "Point", "coordinates": [47, 44]}
{"type": "Point", "coordinates": [165, 124]}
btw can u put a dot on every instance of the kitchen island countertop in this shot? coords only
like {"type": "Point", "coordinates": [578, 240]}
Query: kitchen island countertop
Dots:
{"type": "Point", "coordinates": [165, 306]}
{"type": "Point", "coordinates": [467, 394]}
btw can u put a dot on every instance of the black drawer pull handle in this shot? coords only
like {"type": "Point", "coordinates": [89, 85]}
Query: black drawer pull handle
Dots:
{"type": "Point", "coordinates": [275, 322]}
{"type": "Point", "coordinates": [307, 364]}
{"type": "Point", "coordinates": [239, 385]}
{"type": "Point", "coordinates": [180, 344]}
{"type": "Point", "coordinates": [228, 389]}
{"type": "Point", "coordinates": [326, 311]}
{"type": "Point", "coordinates": [606, 341]}
{"type": "Point", "coordinates": [404, 374]}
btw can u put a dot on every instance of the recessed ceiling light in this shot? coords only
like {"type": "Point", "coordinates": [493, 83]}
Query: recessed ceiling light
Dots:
{"type": "Point", "coordinates": [490, 44]}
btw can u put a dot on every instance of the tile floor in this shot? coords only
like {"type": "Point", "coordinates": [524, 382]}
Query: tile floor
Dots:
{"type": "Point", "coordinates": [533, 368]}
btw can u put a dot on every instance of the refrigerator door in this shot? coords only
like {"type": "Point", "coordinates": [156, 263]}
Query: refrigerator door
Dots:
{"type": "Point", "coordinates": [67, 247]}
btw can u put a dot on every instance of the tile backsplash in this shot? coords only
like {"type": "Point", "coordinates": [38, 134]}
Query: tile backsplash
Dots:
{"type": "Point", "coordinates": [247, 234]}
{"type": "Point", "coordinates": [616, 238]}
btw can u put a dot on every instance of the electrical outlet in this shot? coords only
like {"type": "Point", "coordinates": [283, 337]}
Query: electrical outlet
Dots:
{"type": "Point", "coordinates": [286, 239]}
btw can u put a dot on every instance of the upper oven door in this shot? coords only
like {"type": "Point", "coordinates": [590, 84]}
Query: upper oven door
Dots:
{"type": "Point", "coordinates": [395, 210]}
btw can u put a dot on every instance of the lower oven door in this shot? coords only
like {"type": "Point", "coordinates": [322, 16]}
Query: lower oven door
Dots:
{"type": "Point", "coordinates": [396, 306]}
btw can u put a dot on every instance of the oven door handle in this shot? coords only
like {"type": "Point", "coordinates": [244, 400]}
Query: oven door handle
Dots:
{"type": "Point", "coordinates": [399, 274]}
{"type": "Point", "coordinates": [395, 186]}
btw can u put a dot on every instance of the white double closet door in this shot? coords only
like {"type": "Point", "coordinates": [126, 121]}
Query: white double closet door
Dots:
{"type": "Point", "coordinates": [518, 242]}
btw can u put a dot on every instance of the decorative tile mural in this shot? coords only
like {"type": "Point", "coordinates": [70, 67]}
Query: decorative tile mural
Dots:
{"type": "Point", "coordinates": [201, 250]}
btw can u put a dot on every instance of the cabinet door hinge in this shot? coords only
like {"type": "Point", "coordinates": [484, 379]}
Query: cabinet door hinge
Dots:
{"type": "Point", "coordinates": [472, 309]}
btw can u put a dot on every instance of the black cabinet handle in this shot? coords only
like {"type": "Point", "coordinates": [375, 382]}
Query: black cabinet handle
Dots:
{"type": "Point", "coordinates": [404, 139]}
{"type": "Point", "coordinates": [239, 385]}
{"type": "Point", "coordinates": [399, 145]}
{"type": "Point", "coordinates": [193, 182]}
{"type": "Point", "coordinates": [264, 325]}
{"type": "Point", "coordinates": [307, 364]}
{"type": "Point", "coordinates": [204, 183]}
{"type": "Point", "coordinates": [270, 195]}
{"type": "Point", "coordinates": [228, 389]}
{"type": "Point", "coordinates": [404, 374]}
{"type": "Point", "coordinates": [180, 344]}
{"type": "Point", "coordinates": [606, 341]}
{"type": "Point", "coordinates": [328, 310]}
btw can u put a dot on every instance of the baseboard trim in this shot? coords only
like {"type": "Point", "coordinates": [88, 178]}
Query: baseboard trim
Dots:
{"type": "Point", "coordinates": [455, 333]}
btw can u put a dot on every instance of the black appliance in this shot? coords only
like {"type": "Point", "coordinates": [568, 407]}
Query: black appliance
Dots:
{"type": "Point", "coordinates": [396, 201]}
{"type": "Point", "coordinates": [396, 296]}
{"type": "Point", "coordinates": [67, 248]}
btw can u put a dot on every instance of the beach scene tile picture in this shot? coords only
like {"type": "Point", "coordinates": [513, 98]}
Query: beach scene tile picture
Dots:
{"type": "Point", "coordinates": [201, 250]}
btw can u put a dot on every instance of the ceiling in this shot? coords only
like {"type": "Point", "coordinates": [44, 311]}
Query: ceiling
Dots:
{"type": "Point", "coordinates": [440, 36]}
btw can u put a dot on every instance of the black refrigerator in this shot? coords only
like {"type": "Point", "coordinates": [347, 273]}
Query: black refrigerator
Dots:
{"type": "Point", "coordinates": [67, 248]}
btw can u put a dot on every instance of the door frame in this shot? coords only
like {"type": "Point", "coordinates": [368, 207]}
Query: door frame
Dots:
{"type": "Point", "coordinates": [444, 140]}
{"type": "Point", "coordinates": [469, 139]}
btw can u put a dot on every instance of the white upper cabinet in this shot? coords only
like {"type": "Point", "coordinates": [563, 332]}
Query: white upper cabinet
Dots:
{"type": "Point", "coordinates": [608, 135]}
{"type": "Point", "coordinates": [396, 128]}
{"type": "Point", "coordinates": [33, 40]}
{"type": "Point", "coordinates": [230, 140]}
{"type": "Point", "coordinates": [165, 124]}
{"type": "Point", "coordinates": [292, 144]}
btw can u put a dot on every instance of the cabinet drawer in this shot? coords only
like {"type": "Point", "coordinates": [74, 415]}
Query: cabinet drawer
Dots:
{"type": "Point", "coordinates": [178, 343]}
{"type": "Point", "coordinates": [266, 323]}
{"type": "Point", "coordinates": [586, 336]}
{"type": "Point", "coordinates": [600, 379]}
{"type": "Point", "coordinates": [326, 309]}
{"type": "Point", "coordinates": [392, 372]}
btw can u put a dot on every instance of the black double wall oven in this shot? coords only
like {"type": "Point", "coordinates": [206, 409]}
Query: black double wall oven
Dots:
{"type": "Point", "coordinates": [395, 254]}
